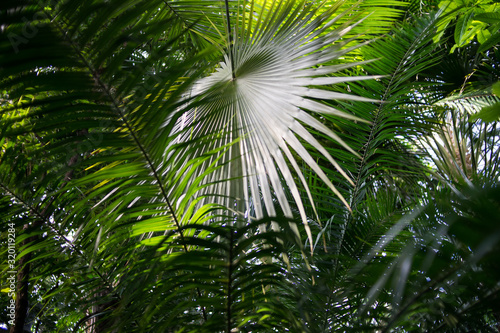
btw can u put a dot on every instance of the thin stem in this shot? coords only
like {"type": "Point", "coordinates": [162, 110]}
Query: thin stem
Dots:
{"type": "Point", "coordinates": [231, 55]}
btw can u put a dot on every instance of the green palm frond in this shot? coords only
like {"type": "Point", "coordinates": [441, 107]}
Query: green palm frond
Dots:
{"type": "Point", "coordinates": [470, 103]}
{"type": "Point", "coordinates": [86, 123]}
{"type": "Point", "coordinates": [385, 200]}
{"type": "Point", "coordinates": [386, 178]}
{"type": "Point", "coordinates": [432, 267]}
{"type": "Point", "coordinates": [442, 261]}
{"type": "Point", "coordinates": [387, 161]}
{"type": "Point", "coordinates": [237, 289]}
{"type": "Point", "coordinates": [462, 149]}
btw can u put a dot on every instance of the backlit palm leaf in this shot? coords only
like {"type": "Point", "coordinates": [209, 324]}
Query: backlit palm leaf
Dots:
{"type": "Point", "coordinates": [262, 102]}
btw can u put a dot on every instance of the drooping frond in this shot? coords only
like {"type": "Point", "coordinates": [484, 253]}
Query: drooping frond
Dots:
{"type": "Point", "coordinates": [386, 177]}
{"type": "Point", "coordinates": [470, 103]}
{"type": "Point", "coordinates": [463, 149]}
{"type": "Point", "coordinates": [440, 251]}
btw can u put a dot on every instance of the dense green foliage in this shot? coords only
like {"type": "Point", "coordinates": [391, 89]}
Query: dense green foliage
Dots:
{"type": "Point", "coordinates": [250, 166]}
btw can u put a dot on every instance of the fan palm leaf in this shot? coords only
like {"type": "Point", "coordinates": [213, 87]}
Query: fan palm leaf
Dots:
{"type": "Point", "coordinates": [262, 95]}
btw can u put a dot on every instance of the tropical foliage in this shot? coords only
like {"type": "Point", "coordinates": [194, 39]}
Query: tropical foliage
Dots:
{"type": "Point", "coordinates": [250, 166]}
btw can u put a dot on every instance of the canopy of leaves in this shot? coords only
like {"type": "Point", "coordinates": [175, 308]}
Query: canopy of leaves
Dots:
{"type": "Point", "coordinates": [249, 166]}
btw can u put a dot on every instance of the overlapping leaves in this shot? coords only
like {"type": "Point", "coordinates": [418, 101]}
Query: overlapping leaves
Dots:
{"type": "Point", "coordinates": [93, 153]}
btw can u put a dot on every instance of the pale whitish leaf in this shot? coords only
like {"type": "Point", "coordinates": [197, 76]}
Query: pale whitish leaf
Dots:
{"type": "Point", "coordinates": [265, 102]}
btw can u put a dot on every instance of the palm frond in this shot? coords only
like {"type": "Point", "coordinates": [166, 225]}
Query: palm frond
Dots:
{"type": "Point", "coordinates": [87, 127]}
{"type": "Point", "coordinates": [444, 262]}
{"type": "Point", "coordinates": [262, 102]}
{"type": "Point", "coordinates": [386, 178]}
{"type": "Point", "coordinates": [463, 149]}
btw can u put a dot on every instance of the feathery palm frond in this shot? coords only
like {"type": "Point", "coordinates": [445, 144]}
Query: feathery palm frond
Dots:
{"type": "Point", "coordinates": [386, 158]}
{"type": "Point", "coordinates": [387, 161]}
{"type": "Point", "coordinates": [464, 149]}
{"type": "Point", "coordinates": [92, 132]}
{"type": "Point", "coordinates": [448, 256]}
{"type": "Point", "coordinates": [388, 175]}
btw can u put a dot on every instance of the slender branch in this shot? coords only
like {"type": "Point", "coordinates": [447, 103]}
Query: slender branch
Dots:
{"type": "Point", "coordinates": [175, 13]}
